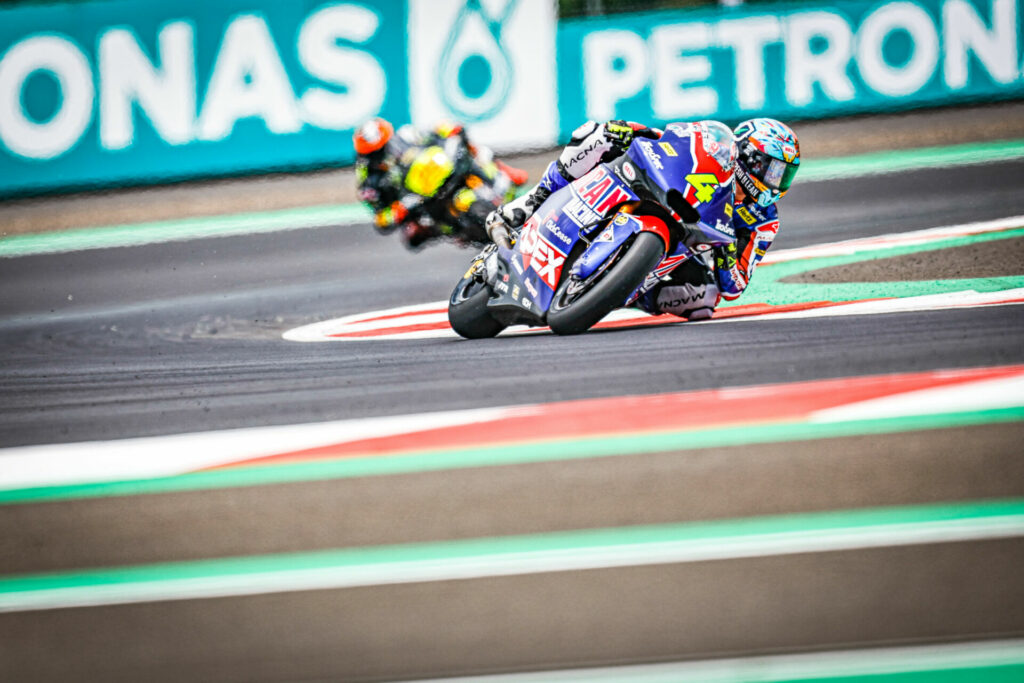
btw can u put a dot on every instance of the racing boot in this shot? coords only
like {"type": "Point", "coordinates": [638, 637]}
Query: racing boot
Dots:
{"type": "Point", "coordinates": [693, 302]}
{"type": "Point", "coordinates": [514, 214]}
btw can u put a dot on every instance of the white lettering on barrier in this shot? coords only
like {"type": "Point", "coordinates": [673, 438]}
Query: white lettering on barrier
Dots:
{"type": "Point", "coordinates": [615, 68]}
{"type": "Point", "coordinates": [924, 57]}
{"type": "Point", "coordinates": [819, 47]}
{"type": "Point", "coordinates": [167, 95]}
{"type": "Point", "coordinates": [359, 72]}
{"type": "Point", "coordinates": [678, 67]}
{"type": "Point", "coordinates": [964, 31]}
{"type": "Point", "coordinates": [248, 80]}
{"type": "Point", "coordinates": [45, 139]}
{"type": "Point", "coordinates": [747, 38]}
{"type": "Point", "coordinates": [827, 68]}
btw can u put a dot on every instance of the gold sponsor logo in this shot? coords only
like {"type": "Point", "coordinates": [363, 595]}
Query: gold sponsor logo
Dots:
{"type": "Point", "coordinates": [667, 149]}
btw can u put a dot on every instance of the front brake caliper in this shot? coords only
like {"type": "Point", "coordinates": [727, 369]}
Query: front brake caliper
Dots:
{"type": "Point", "coordinates": [477, 269]}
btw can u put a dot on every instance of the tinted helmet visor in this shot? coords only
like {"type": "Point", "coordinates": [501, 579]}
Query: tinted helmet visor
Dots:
{"type": "Point", "coordinates": [775, 173]}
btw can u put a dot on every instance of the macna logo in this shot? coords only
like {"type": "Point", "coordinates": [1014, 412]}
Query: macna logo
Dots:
{"type": "Point", "coordinates": [50, 92]}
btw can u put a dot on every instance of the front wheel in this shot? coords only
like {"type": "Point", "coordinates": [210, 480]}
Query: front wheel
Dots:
{"type": "Point", "coordinates": [579, 304]}
{"type": "Point", "coordinates": [467, 310]}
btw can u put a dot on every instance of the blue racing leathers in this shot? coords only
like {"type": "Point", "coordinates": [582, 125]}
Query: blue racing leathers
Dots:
{"type": "Point", "coordinates": [756, 227]}
{"type": "Point", "coordinates": [694, 289]}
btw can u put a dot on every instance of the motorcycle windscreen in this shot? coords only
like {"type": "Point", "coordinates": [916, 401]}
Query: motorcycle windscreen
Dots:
{"type": "Point", "coordinates": [428, 171]}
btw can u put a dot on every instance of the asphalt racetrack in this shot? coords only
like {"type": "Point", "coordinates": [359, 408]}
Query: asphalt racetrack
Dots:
{"type": "Point", "coordinates": [186, 337]}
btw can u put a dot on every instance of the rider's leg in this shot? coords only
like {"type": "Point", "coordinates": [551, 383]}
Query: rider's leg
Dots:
{"type": "Point", "coordinates": [690, 292]}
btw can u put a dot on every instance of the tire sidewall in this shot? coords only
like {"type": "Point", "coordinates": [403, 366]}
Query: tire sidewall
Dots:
{"type": "Point", "coordinates": [621, 278]}
{"type": "Point", "coordinates": [469, 316]}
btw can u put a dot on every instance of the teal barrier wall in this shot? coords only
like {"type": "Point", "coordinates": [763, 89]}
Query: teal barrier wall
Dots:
{"type": "Point", "coordinates": [128, 91]}
{"type": "Point", "coordinates": [790, 60]}
{"type": "Point", "coordinates": [136, 91]}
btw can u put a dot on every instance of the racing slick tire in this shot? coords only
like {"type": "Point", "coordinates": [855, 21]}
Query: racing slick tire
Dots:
{"type": "Point", "coordinates": [579, 304]}
{"type": "Point", "coordinates": [467, 310]}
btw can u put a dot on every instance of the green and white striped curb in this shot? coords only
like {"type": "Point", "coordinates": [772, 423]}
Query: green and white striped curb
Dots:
{"type": "Point", "coordinates": [517, 555]}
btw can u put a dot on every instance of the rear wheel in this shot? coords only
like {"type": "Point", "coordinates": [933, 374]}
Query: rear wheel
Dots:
{"type": "Point", "coordinates": [467, 310]}
{"type": "Point", "coordinates": [579, 304]}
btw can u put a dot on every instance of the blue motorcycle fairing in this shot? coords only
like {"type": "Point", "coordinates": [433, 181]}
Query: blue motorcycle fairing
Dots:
{"type": "Point", "coordinates": [550, 234]}
{"type": "Point", "coordinates": [604, 245]}
{"type": "Point", "coordinates": [676, 170]}
{"type": "Point", "coordinates": [512, 291]}
{"type": "Point", "coordinates": [716, 220]}
{"type": "Point", "coordinates": [532, 270]}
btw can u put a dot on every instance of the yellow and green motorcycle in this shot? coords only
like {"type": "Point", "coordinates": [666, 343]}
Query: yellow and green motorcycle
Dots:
{"type": "Point", "coordinates": [438, 188]}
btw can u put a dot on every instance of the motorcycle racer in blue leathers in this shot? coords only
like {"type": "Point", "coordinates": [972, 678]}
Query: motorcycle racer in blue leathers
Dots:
{"type": "Point", "coordinates": [767, 160]}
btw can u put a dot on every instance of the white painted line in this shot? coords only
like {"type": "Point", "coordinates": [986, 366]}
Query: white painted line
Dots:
{"type": "Point", "coordinates": [902, 239]}
{"type": "Point", "coordinates": [790, 667]}
{"type": "Point", "coordinates": [318, 331]}
{"type": "Point", "coordinates": [160, 456]}
{"type": "Point", "coordinates": [453, 568]}
{"type": "Point", "coordinates": [420, 314]}
{"type": "Point", "coordinates": [910, 304]}
{"type": "Point", "coordinates": [993, 394]}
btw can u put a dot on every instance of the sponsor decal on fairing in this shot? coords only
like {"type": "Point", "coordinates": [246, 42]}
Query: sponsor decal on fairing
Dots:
{"type": "Point", "coordinates": [651, 155]}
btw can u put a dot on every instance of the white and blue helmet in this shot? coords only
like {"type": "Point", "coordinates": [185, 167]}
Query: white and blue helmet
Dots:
{"type": "Point", "coordinates": [769, 157]}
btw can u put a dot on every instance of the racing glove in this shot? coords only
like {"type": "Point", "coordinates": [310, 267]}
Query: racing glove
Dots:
{"type": "Point", "coordinates": [622, 133]}
{"type": "Point", "coordinates": [725, 257]}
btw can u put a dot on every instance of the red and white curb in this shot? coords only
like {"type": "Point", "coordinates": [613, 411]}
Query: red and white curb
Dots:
{"type": "Point", "coordinates": [819, 401]}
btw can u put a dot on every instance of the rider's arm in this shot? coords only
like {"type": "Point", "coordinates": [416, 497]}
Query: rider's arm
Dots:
{"type": "Point", "coordinates": [368, 185]}
{"type": "Point", "coordinates": [595, 142]}
{"type": "Point", "coordinates": [372, 190]}
{"type": "Point", "coordinates": [735, 263]}
{"type": "Point", "coordinates": [590, 143]}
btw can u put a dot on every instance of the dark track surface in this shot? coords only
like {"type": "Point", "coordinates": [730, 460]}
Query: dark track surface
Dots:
{"type": "Point", "coordinates": [185, 337]}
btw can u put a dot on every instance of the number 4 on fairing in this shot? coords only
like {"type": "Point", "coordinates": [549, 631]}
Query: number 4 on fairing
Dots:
{"type": "Point", "coordinates": [704, 185]}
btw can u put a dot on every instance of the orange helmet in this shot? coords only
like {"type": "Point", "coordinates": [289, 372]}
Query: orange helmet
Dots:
{"type": "Point", "coordinates": [372, 136]}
